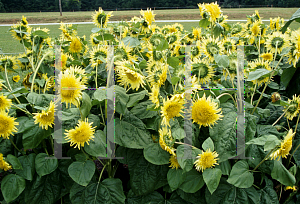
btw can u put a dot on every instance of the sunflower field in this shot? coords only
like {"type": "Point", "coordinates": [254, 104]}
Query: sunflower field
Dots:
{"type": "Point", "coordinates": [138, 113]}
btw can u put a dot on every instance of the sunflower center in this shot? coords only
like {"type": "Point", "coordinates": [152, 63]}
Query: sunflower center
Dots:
{"type": "Point", "coordinates": [200, 70]}
{"type": "Point", "coordinates": [131, 77]}
{"type": "Point", "coordinates": [173, 110]}
{"type": "Point", "coordinates": [212, 48]}
{"type": "Point", "coordinates": [278, 40]}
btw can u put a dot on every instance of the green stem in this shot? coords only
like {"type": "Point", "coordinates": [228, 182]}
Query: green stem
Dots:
{"type": "Point", "coordinates": [7, 78]}
{"type": "Point", "coordinates": [12, 142]}
{"type": "Point", "coordinates": [186, 144]}
{"type": "Point", "coordinates": [263, 160]}
{"type": "Point", "coordinates": [223, 94]}
{"type": "Point", "coordinates": [96, 78]}
{"type": "Point", "coordinates": [280, 116]}
{"type": "Point", "coordinates": [25, 111]}
{"type": "Point", "coordinates": [298, 145]}
{"type": "Point", "coordinates": [251, 102]}
{"type": "Point", "coordinates": [45, 147]}
{"type": "Point", "coordinates": [99, 181]}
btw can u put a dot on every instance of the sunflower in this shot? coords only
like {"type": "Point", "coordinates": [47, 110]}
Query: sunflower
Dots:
{"type": "Point", "coordinates": [285, 146]}
{"type": "Point", "coordinates": [294, 53]}
{"type": "Point", "coordinates": [195, 50]}
{"type": "Point", "coordinates": [98, 55]}
{"type": "Point", "coordinates": [3, 164]}
{"type": "Point", "coordinates": [157, 73]}
{"type": "Point", "coordinates": [174, 162]}
{"type": "Point", "coordinates": [294, 188]}
{"type": "Point", "coordinates": [173, 38]}
{"type": "Point", "coordinates": [45, 119]}
{"type": "Point", "coordinates": [236, 29]}
{"type": "Point", "coordinates": [100, 18]}
{"type": "Point", "coordinates": [276, 23]}
{"type": "Point", "coordinates": [202, 70]}
{"type": "Point", "coordinates": [260, 64]}
{"type": "Point", "coordinates": [68, 31]}
{"type": "Point", "coordinates": [128, 75]}
{"type": "Point", "coordinates": [75, 45]}
{"type": "Point", "coordinates": [148, 16]}
{"type": "Point", "coordinates": [255, 29]}
{"type": "Point", "coordinates": [166, 140]}
{"type": "Point", "coordinates": [206, 160]}
{"type": "Point", "coordinates": [211, 46]}
{"type": "Point", "coordinates": [7, 125]}
{"type": "Point", "coordinates": [267, 56]}
{"type": "Point", "coordinates": [279, 39]}
{"type": "Point", "coordinates": [171, 108]}
{"type": "Point", "coordinates": [154, 96]}
{"type": "Point", "coordinates": [10, 62]}
{"type": "Point", "coordinates": [293, 108]}
{"type": "Point", "coordinates": [197, 33]}
{"type": "Point", "coordinates": [70, 87]}
{"type": "Point", "coordinates": [228, 45]}
{"type": "Point", "coordinates": [5, 103]}
{"type": "Point", "coordinates": [19, 31]}
{"type": "Point", "coordinates": [16, 78]}
{"type": "Point", "coordinates": [275, 97]}
{"type": "Point", "coordinates": [66, 59]}
{"type": "Point", "coordinates": [212, 10]}
{"type": "Point", "coordinates": [24, 21]}
{"type": "Point", "coordinates": [122, 52]}
{"type": "Point", "coordinates": [205, 112]}
{"type": "Point", "coordinates": [83, 133]}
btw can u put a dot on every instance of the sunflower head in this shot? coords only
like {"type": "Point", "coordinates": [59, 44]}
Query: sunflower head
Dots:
{"type": "Point", "coordinates": [211, 11]}
{"type": "Point", "coordinates": [75, 45]}
{"type": "Point", "coordinates": [205, 112]}
{"type": "Point", "coordinates": [255, 29]}
{"type": "Point", "coordinates": [83, 133]}
{"type": "Point", "coordinates": [5, 103]}
{"type": "Point", "coordinates": [285, 146]}
{"type": "Point", "coordinates": [45, 119]}
{"type": "Point", "coordinates": [211, 46]}
{"type": "Point", "coordinates": [267, 56]}
{"type": "Point", "coordinates": [277, 41]}
{"type": "Point", "coordinates": [171, 108]}
{"type": "Point", "coordinates": [148, 16]}
{"type": "Point", "coordinates": [100, 18]}
{"type": "Point", "coordinates": [154, 96]}
{"type": "Point", "coordinates": [3, 164]}
{"type": "Point", "coordinates": [293, 108]}
{"type": "Point", "coordinates": [275, 97]}
{"type": "Point", "coordinates": [206, 160]}
{"type": "Point", "coordinates": [260, 64]}
{"type": "Point", "coordinates": [98, 55]}
{"type": "Point", "coordinates": [174, 162]}
{"type": "Point", "coordinates": [202, 71]}
{"type": "Point", "coordinates": [7, 125]}
{"type": "Point", "coordinates": [166, 140]}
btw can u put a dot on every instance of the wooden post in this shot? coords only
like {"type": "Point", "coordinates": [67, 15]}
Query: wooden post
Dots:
{"type": "Point", "coordinates": [59, 2]}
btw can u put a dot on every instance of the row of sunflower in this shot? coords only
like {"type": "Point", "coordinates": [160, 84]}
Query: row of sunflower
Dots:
{"type": "Point", "coordinates": [176, 97]}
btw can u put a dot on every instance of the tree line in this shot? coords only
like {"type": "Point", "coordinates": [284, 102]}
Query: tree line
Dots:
{"type": "Point", "coordinates": [90, 5]}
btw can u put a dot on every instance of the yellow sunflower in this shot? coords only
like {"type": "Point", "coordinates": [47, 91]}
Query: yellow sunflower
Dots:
{"type": "Point", "coordinates": [128, 75]}
{"type": "Point", "coordinates": [5, 103]}
{"type": "Point", "coordinates": [7, 125]}
{"type": "Point", "coordinates": [276, 23]}
{"type": "Point", "coordinates": [148, 16]}
{"type": "Point", "coordinates": [202, 70]}
{"type": "Point", "coordinates": [10, 62]}
{"type": "Point", "coordinates": [171, 108]}
{"type": "Point", "coordinates": [212, 10]}
{"type": "Point", "coordinates": [174, 162]}
{"type": "Point", "coordinates": [24, 21]}
{"type": "Point", "coordinates": [267, 56]}
{"type": "Point", "coordinates": [294, 53]}
{"type": "Point", "coordinates": [206, 112]}
{"type": "Point", "coordinates": [211, 46]}
{"type": "Point", "coordinates": [98, 55]}
{"type": "Point", "coordinates": [157, 73]}
{"type": "Point", "coordinates": [206, 160]}
{"type": "Point", "coordinates": [70, 88]}
{"type": "Point", "coordinates": [228, 45]}
{"type": "Point", "coordinates": [255, 29]}
{"type": "Point", "coordinates": [3, 164]}
{"type": "Point", "coordinates": [293, 108]}
{"type": "Point", "coordinates": [67, 31]}
{"type": "Point", "coordinates": [294, 188]}
{"type": "Point", "coordinates": [83, 133]}
{"type": "Point", "coordinates": [282, 41]}
{"type": "Point", "coordinates": [100, 18]}
{"type": "Point", "coordinates": [75, 45]}
{"type": "Point", "coordinates": [166, 140]}
{"type": "Point", "coordinates": [285, 147]}
{"type": "Point", "coordinates": [16, 78]}
{"type": "Point", "coordinates": [18, 31]}
{"type": "Point", "coordinates": [122, 52]}
{"type": "Point", "coordinates": [154, 96]}
{"type": "Point", "coordinates": [260, 64]}
{"type": "Point", "coordinates": [45, 119]}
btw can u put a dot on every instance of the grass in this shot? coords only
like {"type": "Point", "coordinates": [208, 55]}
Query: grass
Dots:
{"type": "Point", "coordinates": [10, 45]}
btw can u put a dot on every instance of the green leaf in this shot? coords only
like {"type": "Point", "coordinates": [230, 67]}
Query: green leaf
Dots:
{"type": "Point", "coordinates": [287, 75]}
{"type": "Point", "coordinates": [204, 23]}
{"type": "Point", "coordinates": [281, 174]}
{"type": "Point", "coordinates": [175, 79]}
{"type": "Point", "coordinates": [225, 167]}
{"type": "Point", "coordinates": [218, 29]}
{"type": "Point", "coordinates": [131, 41]}
{"type": "Point", "coordinates": [140, 110]}
{"type": "Point", "coordinates": [109, 190]}
{"type": "Point", "coordinates": [28, 166]}
{"type": "Point", "coordinates": [184, 157]}
{"type": "Point", "coordinates": [33, 137]}
{"type": "Point", "coordinates": [223, 135]}
{"type": "Point", "coordinates": [208, 144]}
{"type": "Point", "coordinates": [196, 197]}
{"type": "Point", "coordinates": [192, 182]}
{"type": "Point", "coordinates": [97, 147]}
{"type": "Point", "coordinates": [12, 186]}
{"type": "Point", "coordinates": [227, 193]}
{"type": "Point", "coordinates": [162, 45]}
{"type": "Point", "coordinates": [175, 178]}
{"type": "Point", "coordinates": [45, 189]}
{"type": "Point", "coordinates": [95, 30]}
{"type": "Point", "coordinates": [41, 34]}
{"type": "Point", "coordinates": [258, 73]}
{"type": "Point", "coordinates": [82, 172]}
{"type": "Point", "coordinates": [151, 198]}
{"type": "Point", "coordinates": [69, 114]}
{"type": "Point", "coordinates": [45, 165]}
{"type": "Point", "coordinates": [178, 134]}
{"type": "Point", "coordinates": [212, 178]}
{"type": "Point", "coordinates": [100, 94]}
{"type": "Point", "coordinates": [295, 17]}
{"type": "Point", "coordinates": [136, 97]}
{"type": "Point", "coordinates": [18, 90]}
{"type": "Point", "coordinates": [173, 61]}
{"type": "Point", "coordinates": [240, 175]}
{"type": "Point", "coordinates": [14, 161]}
{"type": "Point", "coordinates": [222, 60]}
{"type": "Point", "coordinates": [268, 195]}
{"type": "Point", "coordinates": [86, 105]}
{"type": "Point", "coordinates": [42, 100]}
{"type": "Point", "coordinates": [121, 99]}
{"type": "Point", "coordinates": [131, 132]}
{"type": "Point", "coordinates": [262, 140]}
{"type": "Point", "coordinates": [271, 142]}
{"type": "Point", "coordinates": [154, 154]}
{"type": "Point", "coordinates": [144, 176]}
